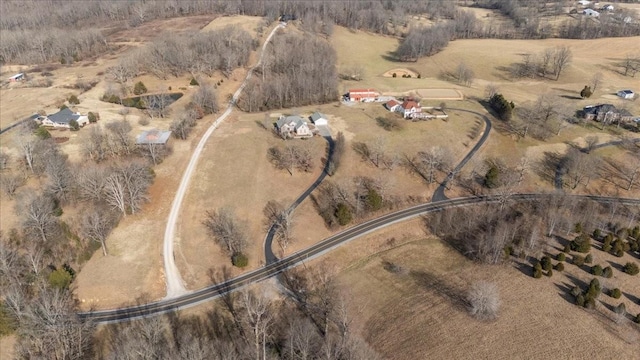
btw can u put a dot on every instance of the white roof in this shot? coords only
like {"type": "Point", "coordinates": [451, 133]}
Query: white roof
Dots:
{"type": "Point", "coordinates": [16, 76]}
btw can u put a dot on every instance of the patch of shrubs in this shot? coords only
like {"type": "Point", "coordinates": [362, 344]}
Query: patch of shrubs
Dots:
{"type": "Point", "coordinates": [194, 82]}
{"type": "Point", "coordinates": [343, 214]}
{"type": "Point", "coordinates": [582, 243]}
{"type": "Point", "coordinates": [111, 98]}
{"type": "Point", "coordinates": [502, 107]}
{"type": "Point", "coordinates": [545, 262]}
{"type": "Point", "coordinates": [615, 293]}
{"type": "Point", "coordinates": [139, 88]}
{"type": "Point", "coordinates": [239, 260]}
{"type": "Point", "coordinates": [93, 117]}
{"type": "Point", "coordinates": [631, 268]}
{"type": "Point", "coordinates": [559, 267]}
{"type": "Point", "coordinates": [588, 259]}
{"type": "Point", "coordinates": [73, 100]}
{"type": "Point", "coordinates": [537, 271]}
{"type": "Point", "coordinates": [561, 257]}
{"type": "Point", "coordinates": [578, 260]}
{"type": "Point", "coordinates": [596, 270]}
{"type": "Point", "coordinates": [607, 272]}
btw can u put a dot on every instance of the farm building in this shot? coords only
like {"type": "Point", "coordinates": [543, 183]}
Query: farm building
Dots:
{"type": "Point", "coordinates": [153, 137]}
{"type": "Point", "coordinates": [366, 95]}
{"type": "Point", "coordinates": [17, 77]}
{"type": "Point", "coordinates": [626, 94]}
{"type": "Point", "coordinates": [591, 12]}
{"type": "Point", "coordinates": [392, 105]}
{"type": "Point", "coordinates": [606, 113]}
{"type": "Point", "coordinates": [62, 118]}
{"type": "Point", "coordinates": [319, 118]}
{"type": "Point", "coordinates": [293, 126]}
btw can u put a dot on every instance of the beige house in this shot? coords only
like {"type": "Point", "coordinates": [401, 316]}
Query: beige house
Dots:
{"type": "Point", "coordinates": [293, 126]}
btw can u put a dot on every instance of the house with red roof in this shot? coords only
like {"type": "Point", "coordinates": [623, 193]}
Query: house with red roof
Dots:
{"type": "Point", "coordinates": [409, 106]}
{"type": "Point", "coordinates": [366, 95]}
{"type": "Point", "coordinates": [392, 105]}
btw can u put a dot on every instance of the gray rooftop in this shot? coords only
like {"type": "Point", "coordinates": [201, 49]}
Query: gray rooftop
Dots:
{"type": "Point", "coordinates": [317, 115]}
{"type": "Point", "coordinates": [157, 137]}
{"type": "Point", "coordinates": [63, 116]}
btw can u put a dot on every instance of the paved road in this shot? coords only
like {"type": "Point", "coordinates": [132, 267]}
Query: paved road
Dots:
{"type": "Point", "coordinates": [439, 195]}
{"type": "Point", "coordinates": [174, 283]}
{"type": "Point", "coordinates": [269, 256]}
{"type": "Point", "coordinates": [16, 124]}
{"type": "Point", "coordinates": [273, 269]}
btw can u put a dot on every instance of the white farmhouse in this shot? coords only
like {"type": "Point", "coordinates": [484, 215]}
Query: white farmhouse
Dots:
{"type": "Point", "coordinates": [62, 118]}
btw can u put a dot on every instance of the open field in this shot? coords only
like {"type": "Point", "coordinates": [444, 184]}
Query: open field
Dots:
{"type": "Point", "coordinates": [235, 173]}
{"type": "Point", "coordinates": [488, 58]}
{"type": "Point", "coordinates": [423, 299]}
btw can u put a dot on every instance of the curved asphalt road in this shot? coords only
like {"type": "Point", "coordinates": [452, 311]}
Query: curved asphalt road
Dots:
{"type": "Point", "coordinates": [174, 283]}
{"type": "Point", "coordinates": [269, 256]}
{"type": "Point", "coordinates": [272, 269]}
{"type": "Point", "coordinates": [439, 195]}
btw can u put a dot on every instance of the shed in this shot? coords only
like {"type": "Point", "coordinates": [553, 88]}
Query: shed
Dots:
{"type": "Point", "coordinates": [591, 12]}
{"type": "Point", "coordinates": [626, 94]}
{"type": "Point", "coordinates": [319, 118]}
{"type": "Point", "coordinates": [17, 77]}
{"type": "Point", "coordinates": [153, 137]}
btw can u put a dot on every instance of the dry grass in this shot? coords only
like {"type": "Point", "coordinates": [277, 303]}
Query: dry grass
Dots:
{"type": "Point", "coordinates": [423, 299]}
{"type": "Point", "coordinates": [247, 23]}
{"type": "Point", "coordinates": [234, 172]}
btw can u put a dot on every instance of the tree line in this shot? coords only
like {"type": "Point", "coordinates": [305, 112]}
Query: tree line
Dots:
{"type": "Point", "coordinates": [297, 70]}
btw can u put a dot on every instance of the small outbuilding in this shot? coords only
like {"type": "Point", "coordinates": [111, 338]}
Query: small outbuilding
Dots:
{"type": "Point", "coordinates": [319, 119]}
{"type": "Point", "coordinates": [17, 77]}
{"type": "Point", "coordinates": [626, 94]}
{"type": "Point", "coordinates": [591, 13]}
{"type": "Point", "coordinates": [153, 137]}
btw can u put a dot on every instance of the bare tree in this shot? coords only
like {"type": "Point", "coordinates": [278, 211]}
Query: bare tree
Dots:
{"type": "Point", "coordinates": [59, 176]}
{"type": "Point", "coordinates": [120, 142]}
{"type": "Point", "coordinates": [38, 215]}
{"type": "Point", "coordinates": [10, 182]}
{"type": "Point", "coordinates": [125, 188]}
{"type": "Point", "coordinates": [96, 225]}
{"type": "Point", "coordinates": [290, 157]}
{"type": "Point", "coordinates": [27, 143]}
{"type": "Point", "coordinates": [484, 300]}
{"type": "Point", "coordinates": [282, 220]}
{"type": "Point", "coordinates": [464, 74]}
{"type": "Point", "coordinates": [590, 143]}
{"type": "Point", "coordinates": [561, 59]}
{"type": "Point", "coordinates": [490, 90]}
{"type": "Point", "coordinates": [433, 160]}
{"type": "Point", "coordinates": [578, 168]}
{"type": "Point", "coordinates": [259, 316]}
{"type": "Point", "coordinates": [205, 97]}
{"type": "Point", "coordinates": [50, 328]}
{"type": "Point", "coordinates": [303, 340]}
{"type": "Point", "coordinates": [631, 64]}
{"type": "Point", "coordinates": [596, 80]}
{"type": "Point", "coordinates": [227, 231]}
{"type": "Point", "coordinates": [157, 105]}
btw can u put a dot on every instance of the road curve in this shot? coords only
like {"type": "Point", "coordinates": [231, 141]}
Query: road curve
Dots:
{"type": "Point", "coordinates": [439, 195]}
{"type": "Point", "coordinates": [174, 283]}
{"type": "Point", "coordinates": [269, 256]}
{"type": "Point", "coordinates": [270, 270]}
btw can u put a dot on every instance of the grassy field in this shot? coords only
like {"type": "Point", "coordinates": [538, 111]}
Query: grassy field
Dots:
{"type": "Point", "coordinates": [423, 299]}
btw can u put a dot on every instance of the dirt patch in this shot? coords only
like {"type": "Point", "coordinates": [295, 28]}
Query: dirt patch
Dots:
{"type": "Point", "coordinates": [251, 24]}
{"type": "Point", "coordinates": [400, 73]}
{"type": "Point", "coordinates": [152, 29]}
